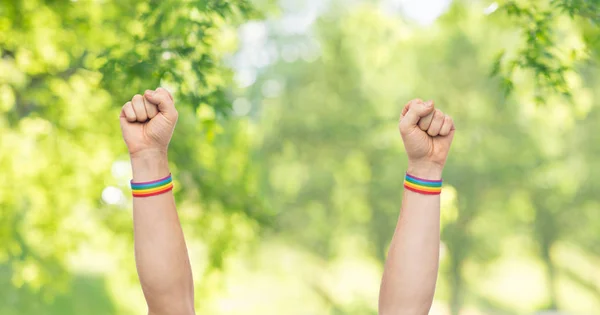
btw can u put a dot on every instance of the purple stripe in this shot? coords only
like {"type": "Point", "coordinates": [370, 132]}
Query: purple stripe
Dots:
{"type": "Point", "coordinates": [152, 182]}
{"type": "Point", "coordinates": [424, 180]}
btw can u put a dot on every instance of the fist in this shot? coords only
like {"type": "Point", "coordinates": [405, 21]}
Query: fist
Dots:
{"type": "Point", "coordinates": [148, 121]}
{"type": "Point", "coordinates": [427, 134]}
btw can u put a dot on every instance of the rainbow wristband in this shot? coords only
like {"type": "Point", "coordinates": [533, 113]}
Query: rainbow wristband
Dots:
{"type": "Point", "coordinates": [423, 186]}
{"type": "Point", "coordinates": [153, 188]}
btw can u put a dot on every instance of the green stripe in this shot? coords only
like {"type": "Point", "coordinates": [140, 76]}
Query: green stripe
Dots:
{"type": "Point", "coordinates": [148, 186]}
{"type": "Point", "coordinates": [137, 190]}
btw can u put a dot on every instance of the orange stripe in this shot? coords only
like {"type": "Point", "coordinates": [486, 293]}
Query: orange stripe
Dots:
{"type": "Point", "coordinates": [153, 190]}
{"type": "Point", "coordinates": [423, 188]}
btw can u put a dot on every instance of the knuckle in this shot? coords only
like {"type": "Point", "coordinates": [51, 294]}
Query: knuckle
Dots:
{"type": "Point", "coordinates": [416, 104]}
{"type": "Point", "coordinates": [149, 105]}
{"type": "Point", "coordinates": [163, 91]}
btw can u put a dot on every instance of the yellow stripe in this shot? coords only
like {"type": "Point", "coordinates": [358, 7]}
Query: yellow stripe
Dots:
{"type": "Point", "coordinates": [152, 190]}
{"type": "Point", "coordinates": [423, 188]}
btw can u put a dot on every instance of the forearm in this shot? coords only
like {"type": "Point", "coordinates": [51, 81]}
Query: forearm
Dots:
{"type": "Point", "coordinates": [160, 250]}
{"type": "Point", "coordinates": [411, 268]}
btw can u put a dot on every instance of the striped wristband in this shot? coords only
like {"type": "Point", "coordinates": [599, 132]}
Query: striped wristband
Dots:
{"type": "Point", "coordinates": [153, 188]}
{"type": "Point", "coordinates": [423, 186]}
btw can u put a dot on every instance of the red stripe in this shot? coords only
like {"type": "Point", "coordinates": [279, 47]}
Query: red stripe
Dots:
{"type": "Point", "coordinates": [422, 192]}
{"type": "Point", "coordinates": [154, 193]}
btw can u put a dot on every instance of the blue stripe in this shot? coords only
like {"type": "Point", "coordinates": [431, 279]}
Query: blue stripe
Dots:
{"type": "Point", "coordinates": [153, 185]}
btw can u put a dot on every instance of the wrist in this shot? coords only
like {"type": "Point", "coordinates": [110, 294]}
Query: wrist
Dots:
{"type": "Point", "coordinates": [431, 171]}
{"type": "Point", "coordinates": [148, 153]}
{"type": "Point", "coordinates": [149, 165]}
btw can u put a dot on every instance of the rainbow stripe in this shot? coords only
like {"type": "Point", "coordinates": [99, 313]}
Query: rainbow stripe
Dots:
{"type": "Point", "coordinates": [153, 188]}
{"type": "Point", "coordinates": [423, 186]}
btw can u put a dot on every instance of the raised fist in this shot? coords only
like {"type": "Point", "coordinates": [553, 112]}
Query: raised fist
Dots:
{"type": "Point", "coordinates": [427, 134]}
{"type": "Point", "coordinates": [148, 121]}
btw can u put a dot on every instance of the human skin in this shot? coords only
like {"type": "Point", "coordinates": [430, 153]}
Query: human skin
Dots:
{"type": "Point", "coordinates": [162, 261]}
{"type": "Point", "coordinates": [410, 272]}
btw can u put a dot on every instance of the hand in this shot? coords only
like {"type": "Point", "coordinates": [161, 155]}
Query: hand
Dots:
{"type": "Point", "coordinates": [148, 121]}
{"type": "Point", "coordinates": [427, 134]}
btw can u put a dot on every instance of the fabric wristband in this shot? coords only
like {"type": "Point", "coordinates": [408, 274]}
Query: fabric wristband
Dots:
{"type": "Point", "coordinates": [153, 188]}
{"type": "Point", "coordinates": [422, 186]}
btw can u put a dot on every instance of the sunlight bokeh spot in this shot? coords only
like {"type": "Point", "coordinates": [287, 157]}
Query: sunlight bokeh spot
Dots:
{"type": "Point", "coordinates": [112, 195]}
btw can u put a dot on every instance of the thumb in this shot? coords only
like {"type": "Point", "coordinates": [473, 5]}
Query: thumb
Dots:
{"type": "Point", "coordinates": [163, 99]}
{"type": "Point", "coordinates": [414, 111]}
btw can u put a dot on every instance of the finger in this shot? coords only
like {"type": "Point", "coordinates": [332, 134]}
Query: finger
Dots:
{"type": "Point", "coordinates": [407, 107]}
{"type": "Point", "coordinates": [151, 108]}
{"type": "Point", "coordinates": [436, 123]}
{"type": "Point", "coordinates": [139, 108]}
{"type": "Point", "coordinates": [168, 93]}
{"type": "Point", "coordinates": [425, 122]}
{"type": "Point", "coordinates": [128, 112]}
{"type": "Point", "coordinates": [163, 99]}
{"type": "Point", "coordinates": [416, 110]}
{"type": "Point", "coordinates": [447, 126]}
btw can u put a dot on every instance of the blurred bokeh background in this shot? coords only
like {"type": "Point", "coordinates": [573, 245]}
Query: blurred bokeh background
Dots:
{"type": "Point", "coordinates": [287, 159]}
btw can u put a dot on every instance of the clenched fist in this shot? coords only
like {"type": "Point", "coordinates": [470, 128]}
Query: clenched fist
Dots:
{"type": "Point", "coordinates": [427, 134]}
{"type": "Point", "coordinates": [148, 121]}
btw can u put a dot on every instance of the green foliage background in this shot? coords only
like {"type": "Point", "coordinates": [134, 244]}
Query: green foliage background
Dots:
{"type": "Point", "coordinates": [289, 197]}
